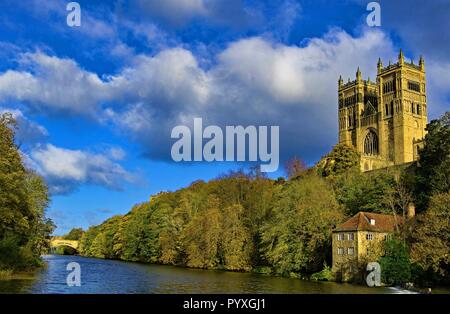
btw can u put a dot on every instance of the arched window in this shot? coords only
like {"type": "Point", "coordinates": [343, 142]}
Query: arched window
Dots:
{"type": "Point", "coordinates": [387, 109]}
{"type": "Point", "coordinates": [412, 107]}
{"type": "Point", "coordinates": [371, 143]}
{"type": "Point", "coordinates": [392, 108]}
{"type": "Point", "coordinates": [418, 109]}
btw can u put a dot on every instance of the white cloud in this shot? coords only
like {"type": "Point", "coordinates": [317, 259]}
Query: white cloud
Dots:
{"type": "Point", "coordinates": [438, 88]}
{"type": "Point", "coordinates": [177, 9]}
{"type": "Point", "coordinates": [253, 81]}
{"type": "Point", "coordinates": [66, 169]}
{"type": "Point", "coordinates": [179, 12]}
{"type": "Point", "coordinates": [53, 83]}
{"type": "Point", "coordinates": [116, 153]}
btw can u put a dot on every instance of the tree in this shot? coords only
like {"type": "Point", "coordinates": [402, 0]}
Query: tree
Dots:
{"type": "Point", "coordinates": [141, 235]}
{"type": "Point", "coordinates": [431, 236]}
{"type": "Point", "coordinates": [14, 207]}
{"type": "Point", "coordinates": [87, 239]}
{"type": "Point", "coordinates": [24, 230]}
{"type": "Point", "coordinates": [202, 237]}
{"type": "Point", "coordinates": [395, 264]}
{"type": "Point", "coordinates": [297, 237]}
{"type": "Point", "coordinates": [236, 240]}
{"type": "Point", "coordinates": [294, 167]}
{"type": "Point", "coordinates": [171, 237]}
{"type": "Point", "coordinates": [433, 168]}
{"type": "Point", "coordinates": [398, 199]}
{"type": "Point", "coordinates": [341, 159]}
{"type": "Point", "coordinates": [74, 234]}
{"type": "Point", "coordinates": [358, 191]}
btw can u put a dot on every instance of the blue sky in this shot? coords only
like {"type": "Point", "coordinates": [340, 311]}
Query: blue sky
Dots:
{"type": "Point", "coordinates": [96, 103]}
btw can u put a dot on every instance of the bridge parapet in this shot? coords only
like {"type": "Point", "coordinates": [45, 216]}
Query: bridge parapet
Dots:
{"type": "Point", "coordinates": [61, 242]}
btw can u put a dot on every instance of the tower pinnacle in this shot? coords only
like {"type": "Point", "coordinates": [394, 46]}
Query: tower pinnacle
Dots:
{"type": "Point", "coordinates": [422, 63]}
{"type": "Point", "coordinates": [379, 65]}
{"type": "Point", "coordinates": [358, 75]}
{"type": "Point", "coordinates": [401, 57]}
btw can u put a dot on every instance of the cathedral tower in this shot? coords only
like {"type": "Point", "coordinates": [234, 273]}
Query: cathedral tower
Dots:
{"type": "Point", "coordinates": [384, 120]}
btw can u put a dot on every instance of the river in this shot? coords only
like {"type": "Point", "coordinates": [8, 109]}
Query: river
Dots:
{"type": "Point", "coordinates": [107, 276]}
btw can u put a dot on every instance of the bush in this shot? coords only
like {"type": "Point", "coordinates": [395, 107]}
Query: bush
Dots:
{"type": "Point", "coordinates": [13, 256]}
{"type": "Point", "coordinates": [9, 252]}
{"type": "Point", "coordinates": [395, 264]}
{"type": "Point", "coordinates": [324, 275]}
{"type": "Point", "coordinates": [6, 274]}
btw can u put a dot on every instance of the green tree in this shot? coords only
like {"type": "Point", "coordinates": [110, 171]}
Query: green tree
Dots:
{"type": "Point", "coordinates": [14, 207]}
{"type": "Point", "coordinates": [171, 237]}
{"type": "Point", "coordinates": [87, 239]}
{"type": "Point", "coordinates": [358, 191]}
{"type": "Point", "coordinates": [297, 237]}
{"type": "Point", "coordinates": [431, 236]}
{"type": "Point", "coordinates": [433, 168]}
{"type": "Point", "coordinates": [203, 236]}
{"type": "Point", "coordinates": [74, 234]}
{"type": "Point", "coordinates": [341, 159]}
{"type": "Point", "coordinates": [395, 264]}
{"type": "Point", "coordinates": [237, 242]}
{"type": "Point", "coordinates": [140, 236]}
{"type": "Point", "coordinates": [24, 230]}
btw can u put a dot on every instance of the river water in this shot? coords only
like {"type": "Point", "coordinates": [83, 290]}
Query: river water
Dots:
{"type": "Point", "coordinates": [107, 276]}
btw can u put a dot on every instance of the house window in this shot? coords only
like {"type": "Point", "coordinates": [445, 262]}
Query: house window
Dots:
{"type": "Point", "coordinates": [350, 251]}
{"type": "Point", "coordinates": [340, 236]}
{"type": "Point", "coordinates": [341, 251]}
{"type": "Point", "coordinates": [369, 236]}
{"type": "Point", "coordinates": [351, 236]}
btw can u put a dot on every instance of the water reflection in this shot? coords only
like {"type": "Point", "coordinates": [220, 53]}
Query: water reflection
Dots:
{"type": "Point", "coordinates": [104, 276]}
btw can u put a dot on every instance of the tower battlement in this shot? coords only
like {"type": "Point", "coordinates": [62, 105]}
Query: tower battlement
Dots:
{"type": "Point", "coordinates": [385, 119]}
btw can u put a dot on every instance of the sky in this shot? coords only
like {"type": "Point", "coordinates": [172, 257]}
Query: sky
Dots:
{"type": "Point", "coordinates": [96, 104]}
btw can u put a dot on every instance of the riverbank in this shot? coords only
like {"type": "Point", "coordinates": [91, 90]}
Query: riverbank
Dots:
{"type": "Point", "coordinates": [17, 275]}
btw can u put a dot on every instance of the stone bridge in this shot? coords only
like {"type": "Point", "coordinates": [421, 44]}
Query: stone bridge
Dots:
{"type": "Point", "coordinates": [54, 243]}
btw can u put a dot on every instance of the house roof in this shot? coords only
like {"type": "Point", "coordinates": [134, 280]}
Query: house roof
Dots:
{"type": "Point", "coordinates": [361, 222]}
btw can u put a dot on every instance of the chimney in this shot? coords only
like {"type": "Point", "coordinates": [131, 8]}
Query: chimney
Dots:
{"type": "Point", "coordinates": [411, 212]}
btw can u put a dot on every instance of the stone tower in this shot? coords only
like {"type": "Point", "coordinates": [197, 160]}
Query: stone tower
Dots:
{"type": "Point", "coordinates": [385, 120]}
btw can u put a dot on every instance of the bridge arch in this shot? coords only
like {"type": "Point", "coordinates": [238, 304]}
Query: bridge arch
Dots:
{"type": "Point", "coordinates": [55, 243]}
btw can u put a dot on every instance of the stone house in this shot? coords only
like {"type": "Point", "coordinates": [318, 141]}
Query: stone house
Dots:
{"type": "Point", "coordinates": [358, 241]}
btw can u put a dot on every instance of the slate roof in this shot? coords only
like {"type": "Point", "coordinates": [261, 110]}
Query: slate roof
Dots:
{"type": "Point", "coordinates": [361, 222]}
